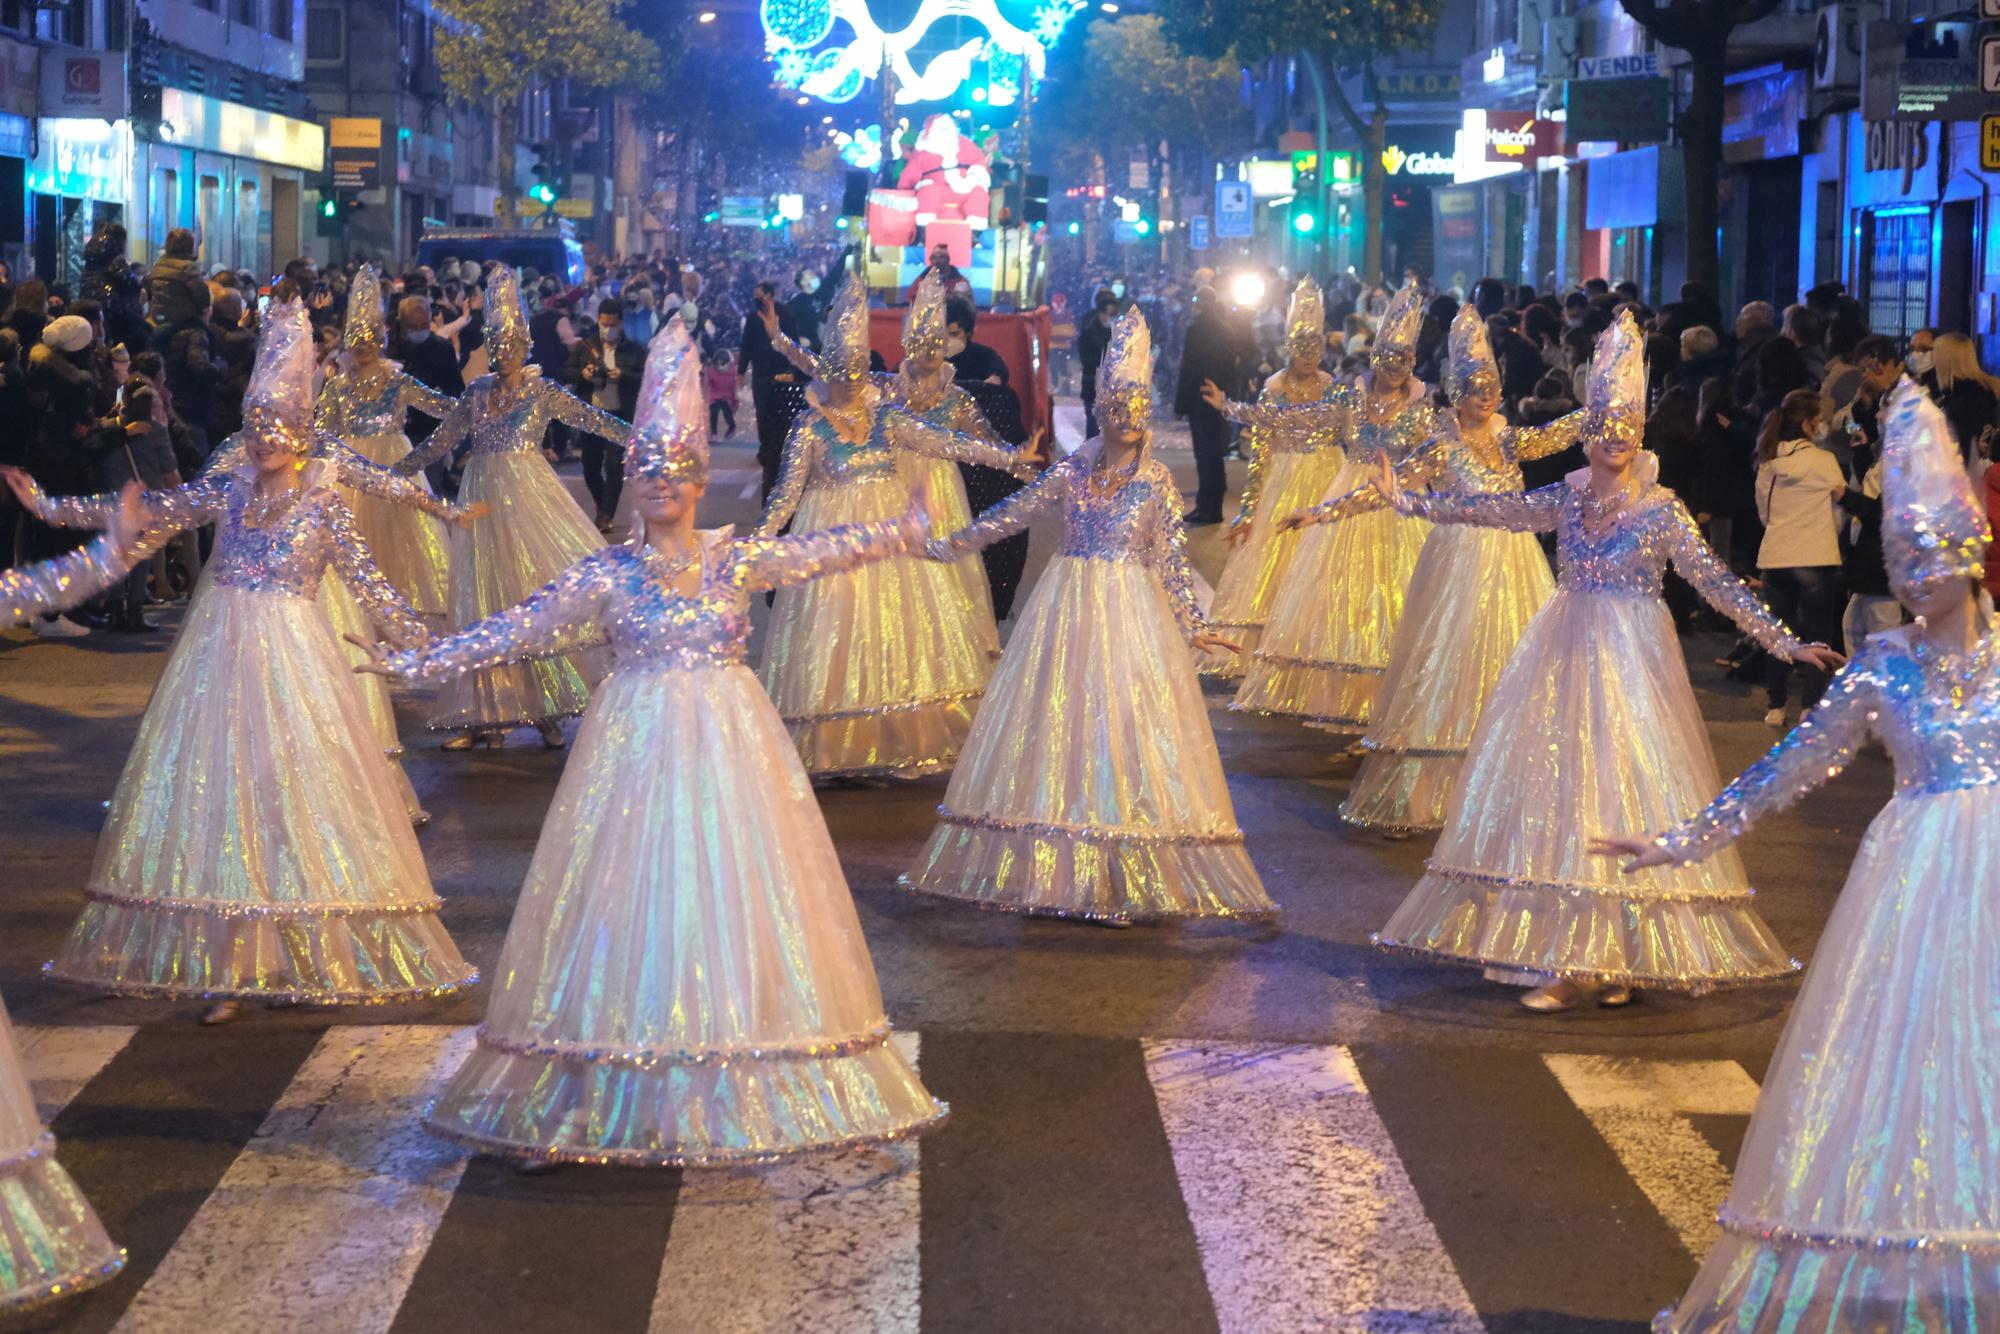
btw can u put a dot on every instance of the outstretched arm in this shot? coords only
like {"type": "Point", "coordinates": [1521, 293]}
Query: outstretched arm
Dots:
{"type": "Point", "coordinates": [779, 562]}
{"type": "Point", "coordinates": [1722, 590]}
{"type": "Point", "coordinates": [573, 412]}
{"type": "Point", "coordinates": [398, 488]}
{"type": "Point", "coordinates": [429, 401]}
{"type": "Point", "coordinates": [62, 583]}
{"type": "Point", "coordinates": [907, 431]}
{"type": "Point", "coordinates": [1519, 511]}
{"type": "Point", "coordinates": [1419, 469]}
{"type": "Point", "coordinates": [450, 434]}
{"type": "Point", "coordinates": [537, 625]}
{"type": "Point", "coordinates": [1010, 516]}
{"type": "Point", "coordinates": [387, 608]}
{"type": "Point", "coordinates": [1539, 442]}
{"type": "Point", "coordinates": [167, 511]}
{"type": "Point", "coordinates": [801, 449]}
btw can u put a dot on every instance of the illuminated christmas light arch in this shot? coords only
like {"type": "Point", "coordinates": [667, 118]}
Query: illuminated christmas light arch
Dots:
{"type": "Point", "coordinates": [837, 73]}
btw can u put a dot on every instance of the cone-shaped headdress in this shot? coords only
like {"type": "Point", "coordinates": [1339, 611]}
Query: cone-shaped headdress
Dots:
{"type": "Point", "coordinates": [1614, 401]}
{"type": "Point", "coordinates": [843, 335]}
{"type": "Point", "coordinates": [280, 391]}
{"type": "Point", "coordinates": [1396, 333]}
{"type": "Point", "coordinates": [670, 421]}
{"type": "Point", "coordinates": [1932, 525]}
{"type": "Point", "coordinates": [506, 319]}
{"type": "Point", "coordinates": [1471, 355]}
{"type": "Point", "coordinates": [367, 323]}
{"type": "Point", "coordinates": [1305, 321]}
{"type": "Point", "coordinates": [1125, 379]}
{"type": "Point", "coordinates": [923, 326]}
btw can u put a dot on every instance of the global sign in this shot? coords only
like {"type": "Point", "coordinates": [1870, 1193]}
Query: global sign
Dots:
{"type": "Point", "coordinates": [1397, 162]}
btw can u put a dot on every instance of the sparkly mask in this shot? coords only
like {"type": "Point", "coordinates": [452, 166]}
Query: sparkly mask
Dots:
{"type": "Point", "coordinates": [1305, 321]}
{"type": "Point", "coordinates": [1125, 379]}
{"type": "Point", "coordinates": [506, 320]}
{"type": "Point", "coordinates": [366, 325]}
{"type": "Point", "coordinates": [1396, 333]}
{"type": "Point", "coordinates": [670, 422]}
{"type": "Point", "coordinates": [1471, 366]}
{"type": "Point", "coordinates": [843, 335]}
{"type": "Point", "coordinates": [923, 326]}
{"type": "Point", "coordinates": [1932, 525]}
{"type": "Point", "coordinates": [280, 392]}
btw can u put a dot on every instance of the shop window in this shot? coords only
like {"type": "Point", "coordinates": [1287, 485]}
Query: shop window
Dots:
{"type": "Point", "coordinates": [1898, 274]}
{"type": "Point", "coordinates": [246, 226]}
{"type": "Point", "coordinates": [244, 12]}
{"type": "Point", "coordinates": [208, 220]}
{"type": "Point", "coordinates": [326, 35]}
{"type": "Point", "coordinates": [281, 20]}
{"type": "Point", "coordinates": [164, 206]}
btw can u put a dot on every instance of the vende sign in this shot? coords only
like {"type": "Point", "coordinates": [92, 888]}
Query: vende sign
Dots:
{"type": "Point", "coordinates": [1618, 67]}
{"type": "Point", "coordinates": [1521, 137]}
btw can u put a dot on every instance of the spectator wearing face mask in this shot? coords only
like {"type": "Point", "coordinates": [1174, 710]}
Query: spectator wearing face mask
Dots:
{"type": "Point", "coordinates": [1922, 359]}
{"type": "Point", "coordinates": [605, 369]}
{"type": "Point", "coordinates": [969, 360]}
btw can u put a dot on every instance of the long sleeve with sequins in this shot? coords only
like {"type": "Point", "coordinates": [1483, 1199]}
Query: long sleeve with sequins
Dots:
{"type": "Point", "coordinates": [422, 398]}
{"type": "Point", "coordinates": [1539, 442]}
{"type": "Point", "coordinates": [372, 479]}
{"type": "Point", "coordinates": [168, 511]}
{"type": "Point", "coordinates": [1721, 589]}
{"type": "Point", "coordinates": [533, 626]}
{"type": "Point", "coordinates": [1323, 414]}
{"type": "Point", "coordinates": [1170, 559]}
{"type": "Point", "coordinates": [785, 346]}
{"type": "Point", "coordinates": [908, 431]}
{"type": "Point", "coordinates": [59, 584]}
{"type": "Point", "coordinates": [779, 562]}
{"type": "Point", "coordinates": [453, 431]}
{"type": "Point", "coordinates": [801, 454]}
{"type": "Point", "coordinates": [578, 415]}
{"type": "Point", "coordinates": [1256, 444]}
{"type": "Point", "coordinates": [378, 597]}
{"type": "Point", "coordinates": [1420, 469]}
{"type": "Point", "coordinates": [1534, 511]}
{"type": "Point", "coordinates": [1011, 515]}
{"type": "Point", "coordinates": [1815, 751]}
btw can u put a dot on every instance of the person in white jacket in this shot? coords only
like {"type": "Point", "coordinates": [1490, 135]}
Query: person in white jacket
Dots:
{"type": "Point", "coordinates": [1799, 486]}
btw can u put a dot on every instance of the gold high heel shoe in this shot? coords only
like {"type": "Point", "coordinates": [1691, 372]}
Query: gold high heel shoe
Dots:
{"type": "Point", "coordinates": [1563, 995]}
{"type": "Point", "coordinates": [552, 734]}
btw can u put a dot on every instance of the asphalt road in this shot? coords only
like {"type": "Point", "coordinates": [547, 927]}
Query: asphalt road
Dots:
{"type": "Point", "coordinates": [1235, 1127]}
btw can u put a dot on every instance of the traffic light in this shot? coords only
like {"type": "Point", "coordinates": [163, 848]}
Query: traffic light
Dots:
{"type": "Point", "coordinates": [336, 210]}
{"type": "Point", "coordinates": [1303, 222]}
{"type": "Point", "coordinates": [547, 189]}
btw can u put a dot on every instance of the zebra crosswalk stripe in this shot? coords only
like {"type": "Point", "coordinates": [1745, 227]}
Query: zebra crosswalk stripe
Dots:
{"type": "Point", "coordinates": [60, 1061]}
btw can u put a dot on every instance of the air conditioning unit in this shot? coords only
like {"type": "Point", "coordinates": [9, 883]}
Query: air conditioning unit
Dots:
{"type": "Point", "coordinates": [1837, 48]}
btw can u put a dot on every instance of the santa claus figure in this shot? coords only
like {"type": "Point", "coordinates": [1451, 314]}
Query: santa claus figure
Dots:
{"type": "Point", "coordinates": [951, 176]}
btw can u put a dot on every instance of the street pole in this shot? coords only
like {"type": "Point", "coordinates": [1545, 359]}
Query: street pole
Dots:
{"type": "Point", "coordinates": [1319, 210]}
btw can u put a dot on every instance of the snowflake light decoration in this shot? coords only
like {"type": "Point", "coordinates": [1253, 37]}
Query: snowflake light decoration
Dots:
{"type": "Point", "coordinates": [838, 72]}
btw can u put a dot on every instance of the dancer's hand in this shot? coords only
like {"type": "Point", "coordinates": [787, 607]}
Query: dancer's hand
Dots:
{"type": "Point", "coordinates": [131, 518]}
{"type": "Point", "coordinates": [1035, 453]}
{"type": "Point", "coordinates": [1211, 394]}
{"type": "Point", "coordinates": [24, 488]}
{"type": "Point", "coordinates": [917, 517]}
{"type": "Point", "coordinates": [1296, 520]}
{"type": "Point", "coordinates": [1390, 485]}
{"type": "Point", "coordinates": [1208, 643]}
{"type": "Point", "coordinates": [1820, 656]}
{"type": "Point", "coordinates": [1238, 534]}
{"type": "Point", "coordinates": [467, 515]}
{"type": "Point", "coordinates": [378, 657]}
{"type": "Point", "coordinates": [1642, 852]}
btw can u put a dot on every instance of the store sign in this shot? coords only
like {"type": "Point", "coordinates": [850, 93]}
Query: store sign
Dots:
{"type": "Point", "coordinates": [1626, 110]}
{"type": "Point", "coordinates": [1435, 85]}
{"type": "Point", "coordinates": [1989, 143]}
{"type": "Point", "coordinates": [83, 84]}
{"type": "Point", "coordinates": [1618, 67]}
{"type": "Point", "coordinates": [1521, 137]}
{"type": "Point", "coordinates": [1989, 64]}
{"type": "Point", "coordinates": [1455, 232]}
{"type": "Point", "coordinates": [1921, 71]}
{"type": "Point", "coordinates": [1761, 111]}
{"type": "Point", "coordinates": [354, 147]}
{"type": "Point", "coordinates": [1269, 177]}
{"type": "Point", "coordinates": [1895, 161]}
{"type": "Point", "coordinates": [82, 159]}
{"type": "Point", "coordinates": [189, 120]}
{"type": "Point", "coordinates": [1396, 161]}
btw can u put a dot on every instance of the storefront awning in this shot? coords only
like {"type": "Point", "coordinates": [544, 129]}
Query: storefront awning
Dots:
{"type": "Point", "coordinates": [208, 124]}
{"type": "Point", "coordinates": [1639, 188]}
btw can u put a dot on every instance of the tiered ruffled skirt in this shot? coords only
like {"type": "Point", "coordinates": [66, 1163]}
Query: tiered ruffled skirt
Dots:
{"type": "Point", "coordinates": [534, 532]}
{"type": "Point", "coordinates": [685, 979]}
{"type": "Point", "coordinates": [1090, 786]}
{"type": "Point", "coordinates": [1592, 727]}
{"type": "Point", "coordinates": [1256, 570]}
{"type": "Point", "coordinates": [1326, 644]}
{"type": "Point", "coordinates": [51, 1244]}
{"type": "Point", "coordinates": [256, 844]}
{"type": "Point", "coordinates": [876, 670]}
{"type": "Point", "coordinates": [1471, 599]}
{"type": "Point", "coordinates": [1867, 1196]}
{"type": "Point", "coordinates": [411, 548]}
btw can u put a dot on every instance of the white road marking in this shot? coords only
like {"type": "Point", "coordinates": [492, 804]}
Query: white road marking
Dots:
{"type": "Point", "coordinates": [59, 1060]}
{"type": "Point", "coordinates": [1641, 1108]}
{"type": "Point", "coordinates": [322, 1220]}
{"type": "Point", "coordinates": [1304, 1215]}
{"type": "Point", "coordinates": [828, 1244]}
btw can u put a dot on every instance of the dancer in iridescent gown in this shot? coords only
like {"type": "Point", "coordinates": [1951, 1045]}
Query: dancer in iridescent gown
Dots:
{"type": "Point", "coordinates": [1326, 642]}
{"type": "Point", "coordinates": [364, 403]}
{"type": "Point", "coordinates": [1291, 466]}
{"type": "Point", "coordinates": [536, 531]}
{"type": "Point", "coordinates": [256, 844]}
{"type": "Point", "coordinates": [1470, 600]}
{"type": "Point", "coordinates": [876, 671]}
{"type": "Point", "coordinates": [51, 1242]}
{"type": "Point", "coordinates": [1090, 786]}
{"type": "Point", "coordinates": [685, 980]}
{"type": "Point", "coordinates": [1867, 1195]}
{"type": "Point", "coordinates": [1593, 726]}
{"type": "Point", "coordinates": [923, 386]}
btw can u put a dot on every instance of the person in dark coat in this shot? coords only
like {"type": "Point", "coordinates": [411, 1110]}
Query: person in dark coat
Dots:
{"type": "Point", "coordinates": [775, 384]}
{"type": "Point", "coordinates": [1215, 350]}
{"type": "Point", "coordinates": [236, 349]}
{"type": "Point", "coordinates": [175, 286]}
{"type": "Point", "coordinates": [605, 369]}
{"type": "Point", "coordinates": [970, 360]}
{"type": "Point", "coordinates": [1090, 345]}
{"type": "Point", "coordinates": [111, 281]}
{"type": "Point", "coordinates": [429, 360]}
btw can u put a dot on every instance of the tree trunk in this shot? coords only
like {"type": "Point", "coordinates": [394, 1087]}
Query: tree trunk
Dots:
{"type": "Point", "coordinates": [508, 114]}
{"type": "Point", "coordinates": [1372, 192]}
{"type": "Point", "coordinates": [1701, 153]}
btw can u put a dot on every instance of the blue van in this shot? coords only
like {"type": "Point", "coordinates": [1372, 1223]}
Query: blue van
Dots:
{"type": "Point", "coordinates": [546, 250]}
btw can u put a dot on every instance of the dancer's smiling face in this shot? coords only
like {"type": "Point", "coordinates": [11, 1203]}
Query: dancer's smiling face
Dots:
{"type": "Point", "coordinates": [663, 501]}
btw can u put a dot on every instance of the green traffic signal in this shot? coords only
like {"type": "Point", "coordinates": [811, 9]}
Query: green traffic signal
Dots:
{"type": "Point", "coordinates": [329, 207]}
{"type": "Point", "coordinates": [543, 193]}
{"type": "Point", "coordinates": [1304, 222]}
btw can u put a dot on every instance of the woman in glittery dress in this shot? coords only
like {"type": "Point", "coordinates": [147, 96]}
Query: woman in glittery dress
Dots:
{"type": "Point", "coordinates": [536, 531]}
{"type": "Point", "coordinates": [922, 386]}
{"type": "Point", "coordinates": [1326, 643]}
{"type": "Point", "coordinates": [364, 403]}
{"type": "Point", "coordinates": [1866, 1196]}
{"type": "Point", "coordinates": [685, 980]}
{"type": "Point", "coordinates": [1291, 467]}
{"type": "Point", "coordinates": [1593, 726]}
{"type": "Point", "coordinates": [876, 671]}
{"type": "Point", "coordinates": [51, 1243]}
{"type": "Point", "coordinates": [256, 845]}
{"type": "Point", "coordinates": [1470, 600]}
{"type": "Point", "coordinates": [1090, 786]}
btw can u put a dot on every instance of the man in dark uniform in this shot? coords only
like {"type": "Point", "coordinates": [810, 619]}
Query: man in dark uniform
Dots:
{"type": "Point", "coordinates": [1215, 350]}
{"type": "Point", "coordinates": [774, 381]}
{"type": "Point", "coordinates": [1090, 345]}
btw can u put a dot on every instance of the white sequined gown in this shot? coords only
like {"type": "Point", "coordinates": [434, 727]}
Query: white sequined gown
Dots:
{"type": "Point", "coordinates": [534, 532]}
{"type": "Point", "coordinates": [411, 548]}
{"type": "Point", "coordinates": [1090, 786]}
{"type": "Point", "coordinates": [257, 843]}
{"type": "Point", "coordinates": [949, 408]}
{"type": "Point", "coordinates": [1592, 727]}
{"type": "Point", "coordinates": [685, 980]}
{"type": "Point", "coordinates": [1867, 1196]}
